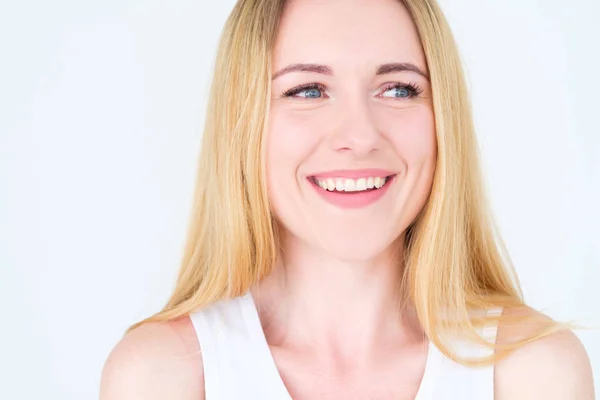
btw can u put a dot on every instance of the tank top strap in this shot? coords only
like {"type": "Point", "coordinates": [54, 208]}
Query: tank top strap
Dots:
{"type": "Point", "coordinates": [236, 358]}
{"type": "Point", "coordinates": [457, 381]}
{"type": "Point", "coordinates": [490, 331]}
{"type": "Point", "coordinates": [483, 378]}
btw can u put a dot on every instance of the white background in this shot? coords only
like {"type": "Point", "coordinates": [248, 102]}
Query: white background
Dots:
{"type": "Point", "coordinates": [101, 108]}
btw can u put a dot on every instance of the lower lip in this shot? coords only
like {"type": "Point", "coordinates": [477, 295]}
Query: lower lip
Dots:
{"type": "Point", "coordinates": [353, 199]}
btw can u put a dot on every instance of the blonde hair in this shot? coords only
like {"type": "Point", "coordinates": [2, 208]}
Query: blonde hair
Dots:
{"type": "Point", "coordinates": [454, 260]}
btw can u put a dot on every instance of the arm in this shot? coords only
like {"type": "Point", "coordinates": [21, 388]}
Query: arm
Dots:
{"type": "Point", "coordinates": [155, 361]}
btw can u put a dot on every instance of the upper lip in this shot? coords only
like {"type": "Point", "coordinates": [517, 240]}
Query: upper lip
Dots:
{"type": "Point", "coordinates": [353, 173]}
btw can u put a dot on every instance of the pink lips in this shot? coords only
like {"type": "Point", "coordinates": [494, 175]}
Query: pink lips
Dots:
{"type": "Point", "coordinates": [353, 199]}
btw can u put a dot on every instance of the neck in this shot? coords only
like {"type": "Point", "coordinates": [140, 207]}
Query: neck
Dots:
{"type": "Point", "coordinates": [315, 302]}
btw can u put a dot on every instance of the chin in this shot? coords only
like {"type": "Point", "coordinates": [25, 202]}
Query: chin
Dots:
{"type": "Point", "coordinates": [355, 249]}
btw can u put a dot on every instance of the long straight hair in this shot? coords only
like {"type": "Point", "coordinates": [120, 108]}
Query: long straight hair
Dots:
{"type": "Point", "coordinates": [454, 261]}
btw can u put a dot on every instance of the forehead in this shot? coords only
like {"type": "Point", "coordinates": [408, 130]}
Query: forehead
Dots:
{"type": "Point", "coordinates": [347, 34]}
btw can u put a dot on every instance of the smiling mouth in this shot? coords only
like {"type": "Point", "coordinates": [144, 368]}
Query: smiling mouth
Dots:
{"type": "Point", "coordinates": [352, 186]}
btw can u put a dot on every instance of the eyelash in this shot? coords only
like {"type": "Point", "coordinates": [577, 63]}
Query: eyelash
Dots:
{"type": "Point", "coordinates": [413, 89]}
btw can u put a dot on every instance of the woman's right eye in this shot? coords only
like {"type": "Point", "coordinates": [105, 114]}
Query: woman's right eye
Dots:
{"type": "Point", "coordinates": [311, 91]}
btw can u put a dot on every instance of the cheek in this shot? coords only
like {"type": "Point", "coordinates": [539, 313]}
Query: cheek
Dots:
{"type": "Point", "coordinates": [412, 134]}
{"type": "Point", "coordinates": [290, 139]}
{"type": "Point", "coordinates": [416, 143]}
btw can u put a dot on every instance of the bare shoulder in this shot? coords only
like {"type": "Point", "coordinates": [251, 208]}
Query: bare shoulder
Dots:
{"type": "Point", "coordinates": [554, 367]}
{"type": "Point", "coordinates": [155, 361]}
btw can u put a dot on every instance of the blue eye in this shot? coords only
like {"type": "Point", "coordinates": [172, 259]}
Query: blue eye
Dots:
{"type": "Point", "coordinates": [398, 92]}
{"type": "Point", "coordinates": [311, 91]}
{"type": "Point", "coordinates": [401, 91]}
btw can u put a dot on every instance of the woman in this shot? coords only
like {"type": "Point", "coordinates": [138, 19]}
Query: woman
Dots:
{"type": "Point", "coordinates": [341, 246]}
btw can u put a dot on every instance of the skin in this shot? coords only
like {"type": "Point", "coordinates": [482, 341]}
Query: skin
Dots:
{"type": "Point", "coordinates": [329, 308]}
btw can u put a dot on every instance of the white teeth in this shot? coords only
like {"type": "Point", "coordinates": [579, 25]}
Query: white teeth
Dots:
{"type": "Point", "coordinates": [351, 185]}
{"type": "Point", "coordinates": [330, 184]}
{"type": "Point", "coordinates": [370, 183]}
{"type": "Point", "coordinates": [361, 184]}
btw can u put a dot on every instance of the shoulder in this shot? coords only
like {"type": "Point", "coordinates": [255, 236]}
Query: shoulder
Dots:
{"type": "Point", "coordinates": [554, 367]}
{"type": "Point", "coordinates": [157, 360]}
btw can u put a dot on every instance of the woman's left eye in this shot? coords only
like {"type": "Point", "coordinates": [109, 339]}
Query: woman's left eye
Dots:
{"type": "Point", "coordinates": [401, 91]}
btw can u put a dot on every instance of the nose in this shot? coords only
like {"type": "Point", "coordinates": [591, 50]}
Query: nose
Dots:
{"type": "Point", "coordinates": [356, 132]}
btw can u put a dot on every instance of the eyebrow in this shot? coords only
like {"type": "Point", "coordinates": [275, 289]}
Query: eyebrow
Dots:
{"type": "Point", "coordinates": [326, 70]}
{"type": "Point", "coordinates": [401, 67]}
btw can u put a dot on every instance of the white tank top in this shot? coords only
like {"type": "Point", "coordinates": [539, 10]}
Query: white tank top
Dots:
{"type": "Point", "coordinates": [238, 363]}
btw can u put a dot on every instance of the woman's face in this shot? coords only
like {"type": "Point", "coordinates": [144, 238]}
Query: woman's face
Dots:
{"type": "Point", "coordinates": [351, 111]}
